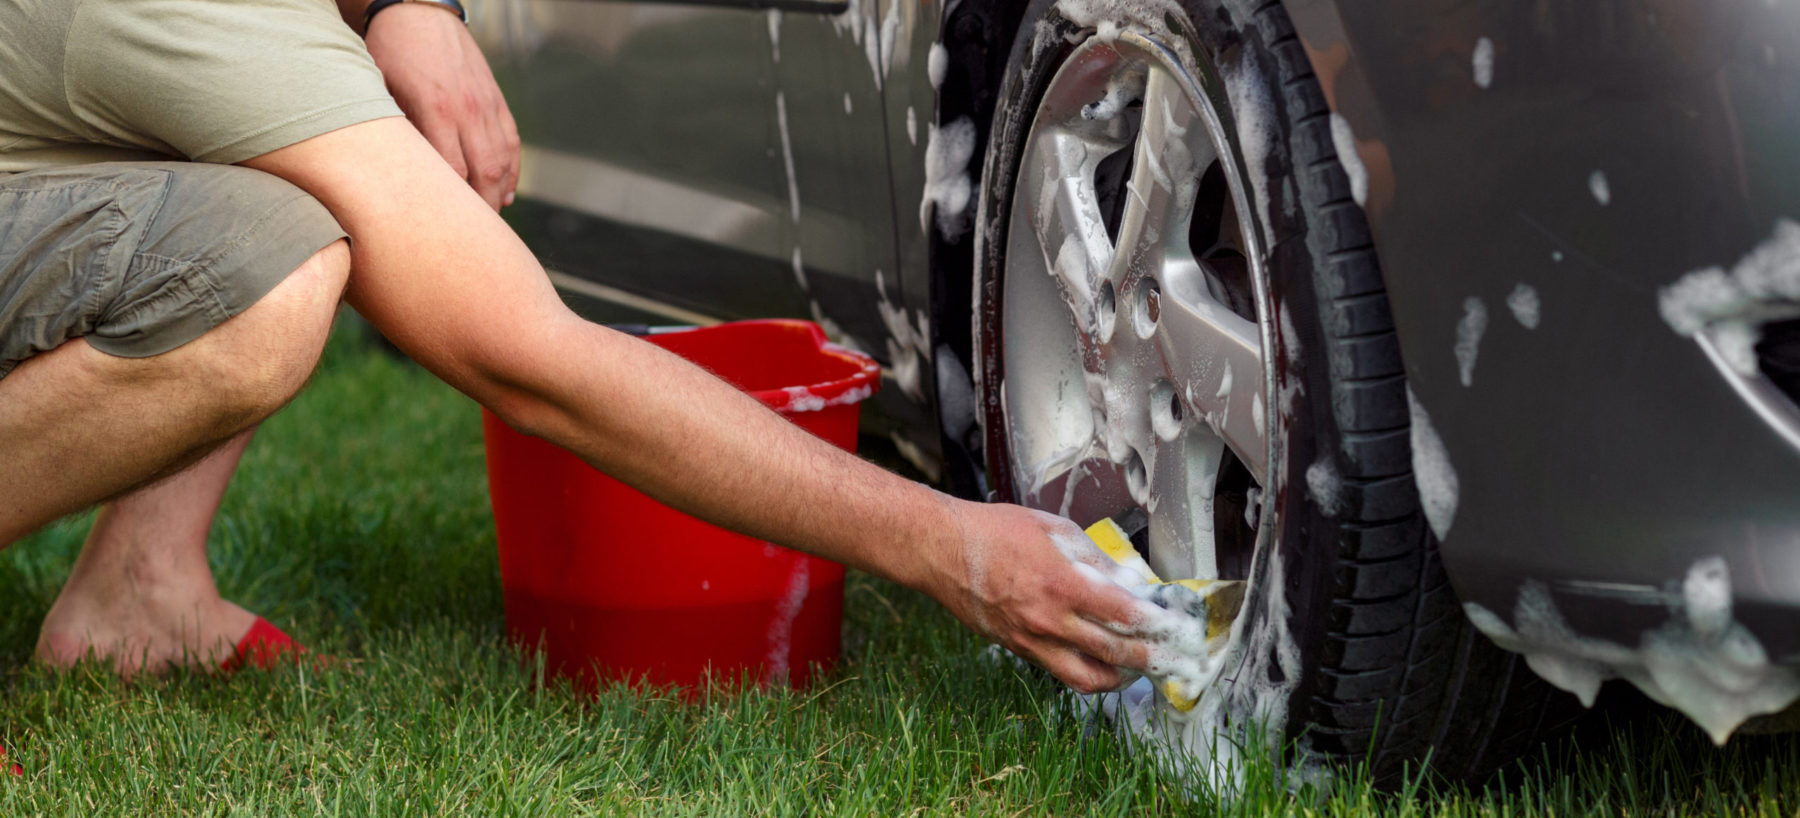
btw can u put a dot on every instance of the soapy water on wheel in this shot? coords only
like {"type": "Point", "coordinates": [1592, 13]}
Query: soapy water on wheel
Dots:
{"type": "Point", "coordinates": [1236, 685]}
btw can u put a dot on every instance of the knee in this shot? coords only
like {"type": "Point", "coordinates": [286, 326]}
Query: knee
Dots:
{"type": "Point", "coordinates": [264, 356]}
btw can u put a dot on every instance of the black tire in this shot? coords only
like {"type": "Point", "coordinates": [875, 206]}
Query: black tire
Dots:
{"type": "Point", "coordinates": [1389, 670]}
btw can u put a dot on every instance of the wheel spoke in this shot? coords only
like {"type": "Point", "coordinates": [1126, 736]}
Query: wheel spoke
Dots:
{"type": "Point", "coordinates": [1071, 235]}
{"type": "Point", "coordinates": [1164, 174]}
{"type": "Point", "coordinates": [1215, 360]}
{"type": "Point", "coordinates": [1185, 472]}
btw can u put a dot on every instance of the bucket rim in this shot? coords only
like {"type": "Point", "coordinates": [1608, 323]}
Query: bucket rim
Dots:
{"type": "Point", "coordinates": [851, 389]}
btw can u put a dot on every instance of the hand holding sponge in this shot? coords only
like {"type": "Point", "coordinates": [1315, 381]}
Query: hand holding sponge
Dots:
{"type": "Point", "coordinates": [1183, 663]}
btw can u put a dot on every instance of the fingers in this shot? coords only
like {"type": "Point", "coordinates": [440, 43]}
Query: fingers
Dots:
{"type": "Point", "coordinates": [491, 154]}
{"type": "Point", "coordinates": [509, 134]}
{"type": "Point", "coordinates": [491, 138]}
{"type": "Point", "coordinates": [445, 139]}
{"type": "Point", "coordinates": [1110, 605]}
{"type": "Point", "coordinates": [1083, 673]}
{"type": "Point", "coordinates": [1108, 646]}
{"type": "Point", "coordinates": [485, 172]}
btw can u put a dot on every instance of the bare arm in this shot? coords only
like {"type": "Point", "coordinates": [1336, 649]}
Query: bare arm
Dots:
{"type": "Point", "coordinates": [443, 277]}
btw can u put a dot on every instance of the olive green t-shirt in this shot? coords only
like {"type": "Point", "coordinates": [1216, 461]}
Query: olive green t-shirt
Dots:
{"type": "Point", "coordinates": [207, 80]}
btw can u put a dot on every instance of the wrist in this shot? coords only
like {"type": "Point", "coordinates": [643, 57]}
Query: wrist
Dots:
{"type": "Point", "coordinates": [373, 8]}
{"type": "Point", "coordinates": [937, 554]}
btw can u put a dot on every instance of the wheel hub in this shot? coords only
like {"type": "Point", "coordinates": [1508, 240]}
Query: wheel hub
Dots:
{"type": "Point", "coordinates": [1134, 369]}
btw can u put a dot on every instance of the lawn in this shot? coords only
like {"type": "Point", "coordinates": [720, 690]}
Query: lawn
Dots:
{"type": "Point", "coordinates": [360, 523]}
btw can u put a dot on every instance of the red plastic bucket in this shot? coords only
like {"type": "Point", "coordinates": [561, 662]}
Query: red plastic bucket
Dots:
{"type": "Point", "coordinates": [613, 585]}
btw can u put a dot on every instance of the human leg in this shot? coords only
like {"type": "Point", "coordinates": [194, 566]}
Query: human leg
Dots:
{"type": "Point", "coordinates": [141, 594]}
{"type": "Point", "coordinates": [80, 426]}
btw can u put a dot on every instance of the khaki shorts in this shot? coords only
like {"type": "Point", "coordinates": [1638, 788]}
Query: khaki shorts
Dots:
{"type": "Point", "coordinates": [142, 257]}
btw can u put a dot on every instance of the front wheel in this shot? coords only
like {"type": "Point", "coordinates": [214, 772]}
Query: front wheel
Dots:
{"type": "Point", "coordinates": [1181, 325]}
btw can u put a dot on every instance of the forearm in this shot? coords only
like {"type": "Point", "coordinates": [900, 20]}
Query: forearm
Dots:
{"type": "Point", "coordinates": [696, 443]}
{"type": "Point", "coordinates": [445, 278]}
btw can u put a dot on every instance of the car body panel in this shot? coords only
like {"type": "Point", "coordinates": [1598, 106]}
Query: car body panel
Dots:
{"type": "Point", "coordinates": [725, 160]}
{"type": "Point", "coordinates": [1598, 453]}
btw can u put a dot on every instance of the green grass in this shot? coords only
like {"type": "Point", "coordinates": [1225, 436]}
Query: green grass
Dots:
{"type": "Point", "coordinates": [360, 522]}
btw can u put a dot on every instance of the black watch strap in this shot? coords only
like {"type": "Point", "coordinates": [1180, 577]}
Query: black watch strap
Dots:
{"type": "Point", "coordinates": [377, 5]}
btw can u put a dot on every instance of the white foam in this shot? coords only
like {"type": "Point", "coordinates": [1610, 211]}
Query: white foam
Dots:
{"type": "Point", "coordinates": [948, 190]}
{"type": "Point", "coordinates": [787, 155]}
{"type": "Point", "coordinates": [781, 628]}
{"type": "Point", "coordinates": [848, 107]}
{"type": "Point", "coordinates": [1484, 62]}
{"type": "Point", "coordinates": [871, 43]}
{"type": "Point", "coordinates": [1254, 114]}
{"type": "Point", "coordinates": [1523, 301]}
{"type": "Point", "coordinates": [955, 394]}
{"type": "Point", "coordinates": [890, 39]}
{"type": "Point", "coordinates": [1344, 140]}
{"type": "Point", "coordinates": [1731, 306]}
{"type": "Point", "coordinates": [1323, 483]}
{"type": "Point", "coordinates": [1468, 338]}
{"type": "Point", "coordinates": [1432, 471]}
{"type": "Point", "coordinates": [1171, 619]}
{"type": "Point", "coordinates": [1225, 384]}
{"type": "Point", "coordinates": [937, 64]}
{"type": "Point", "coordinates": [912, 126]}
{"type": "Point", "coordinates": [1700, 661]}
{"type": "Point", "coordinates": [802, 399]}
{"type": "Point", "coordinates": [1121, 90]}
{"type": "Point", "coordinates": [849, 21]}
{"type": "Point", "coordinates": [775, 33]}
{"type": "Point", "coordinates": [1597, 185]}
{"type": "Point", "coordinates": [1290, 338]}
{"type": "Point", "coordinates": [1108, 17]}
{"type": "Point", "coordinates": [907, 344]}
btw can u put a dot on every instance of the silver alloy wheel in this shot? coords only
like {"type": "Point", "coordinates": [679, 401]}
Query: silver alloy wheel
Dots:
{"type": "Point", "coordinates": [1154, 380]}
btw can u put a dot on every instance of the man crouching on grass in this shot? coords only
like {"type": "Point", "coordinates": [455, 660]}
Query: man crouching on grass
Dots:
{"type": "Point", "coordinates": [187, 190]}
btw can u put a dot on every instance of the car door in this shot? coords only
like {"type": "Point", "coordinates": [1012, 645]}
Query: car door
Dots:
{"type": "Point", "coordinates": [651, 173]}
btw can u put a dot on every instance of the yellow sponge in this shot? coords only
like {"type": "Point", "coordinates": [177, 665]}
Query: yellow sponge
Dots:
{"type": "Point", "coordinates": [1222, 598]}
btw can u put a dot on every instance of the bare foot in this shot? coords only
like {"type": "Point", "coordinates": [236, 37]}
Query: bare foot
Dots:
{"type": "Point", "coordinates": [137, 621]}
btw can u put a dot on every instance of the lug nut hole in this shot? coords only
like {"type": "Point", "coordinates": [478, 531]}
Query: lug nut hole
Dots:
{"type": "Point", "coordinates": [1106, 310]}
{"type": "Point", "coordinates": [1137, 479]}
{"type": "Point", "coordinates": [1166, 410]}
{"type": "Point", "coordinates": [1149, 307]}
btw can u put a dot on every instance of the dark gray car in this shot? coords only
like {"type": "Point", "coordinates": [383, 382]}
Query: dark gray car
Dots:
{"type": "Point", "coordinates": [1423, 327]}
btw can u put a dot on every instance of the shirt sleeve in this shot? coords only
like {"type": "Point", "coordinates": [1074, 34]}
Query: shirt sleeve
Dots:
{"type": "Point", "coordinates": [218, 80]}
